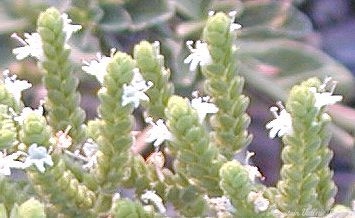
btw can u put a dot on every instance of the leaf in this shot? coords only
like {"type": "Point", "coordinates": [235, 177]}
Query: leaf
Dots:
{"type": "Point", "coordinates": [10, 24]}
{"type": "Point", "coordinates": [271, 19]}
{"type": "Point", "coordinates": [196, 9]}
{"type": "Point", "coordinates": [115, 19]}
{"type": "Point", "coordinates": [287, 63]}
{"type": "Point", "coordinates": [147, 13]}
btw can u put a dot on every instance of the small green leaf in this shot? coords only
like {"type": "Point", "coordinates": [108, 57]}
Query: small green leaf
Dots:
{"type": "Point", "coordinates": [288, 62]}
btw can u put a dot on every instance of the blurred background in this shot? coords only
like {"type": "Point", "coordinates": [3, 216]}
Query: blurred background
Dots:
{"type": "Point", "coordinates": [282, 42]}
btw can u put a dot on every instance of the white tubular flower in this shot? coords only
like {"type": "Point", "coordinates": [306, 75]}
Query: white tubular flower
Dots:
{"type": "Point", "coordinates": [261, 204]}
{"type": "Point", "coordinates": [9, 161]}
{"type": "Point", "coordinates": [203, 106]}
{"type": "Point", "coordinates": [253, 171]}
{"type": "Point", "coordinates": [282, 124]}
{"type": "Point", "coordinates": [151, 196]}
{"type": "Point", "coordinates": [98, 67]}
{"type": "Point", "coordinates": [135, 91]}
{"type": "Point", "coordinates": [234, 26]}
{"type": "Point", "coordinates": [15, 86]}
{"type": "Point", "coordinates": [199, 55]}
{"type": "Point", "coordinates": [38, 156]}
{"type": "Point", "coordinates": [324, 98]}
{"type": "Point", "coordinates": [31, 46]}
{"type": "Point", "coordinates": [158, 133]}
{"type": "Point", "coordinates": [26, 112]}
{"type": "Point", "coordinates": [69, 28]}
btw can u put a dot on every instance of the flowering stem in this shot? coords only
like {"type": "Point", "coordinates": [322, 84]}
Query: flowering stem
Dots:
{"type": "Point", "coordinates": [115, 127]}
{"type": "Point", "coordinates": [151, 65]}
{"type": "Point", "coordinates": [225, 87]}
{"type": "Point", "coordinates": [8, 136]}
{"type": "Point", "coordinates": [236, 185]}
{"type": "Point", "coordinates": [305, 175]}
{"type": "Point", "coordinates": [63, 99]}
{"type": "Point", "coordinates": [63, 190]}
{"type": "Point", "coordinates": [196, 157]}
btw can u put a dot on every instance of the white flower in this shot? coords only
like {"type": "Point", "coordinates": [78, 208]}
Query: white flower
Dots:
{"type": "Point", "coordinates": [253, 171]}
{"type": "Point", "coordinates": [68, 28]}
{"type": "Point", "coordinates": [199, 55]}
{"type": "Point", "coordinates": [261, 204]}
{"type": "Point", "coordinates": [282, 124]}
{"type": "Point", "coordinates": [15, 86]}
{"type": "Point", "coordinates": [90, 149]}
{"type": "Point", "coordinates": [221, 204]}
{"type": "Point", "coordinates": [151, 196]}
{"type": "Point", "coordinates": [135, 91]}
{"type": "Point", "coordinates": [32, 46]}
{"type": "Point", "coordinates": [203, 106]}
{"type": "Point", "coordinates": [38, 156]}
{"type": "Point", "coordinates": [158, 133]}
{"type": "Point", "coordinates": [324, 98]}
{"type": "Point", "coordinates": [9, 161]}
{"type": "Point", "coordinates": [28, 111]}
{"type": "Point", "coordinates": [62, 140]}
{"type": "Point", "coordinates": [97, 67]}
{"type": "Point", "coordinates": [234, 26]}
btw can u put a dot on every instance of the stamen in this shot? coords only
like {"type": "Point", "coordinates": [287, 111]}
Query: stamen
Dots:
{"type": "Point", "coordinates": [67, 130]}
{"type": "Point", "coordinates": [249, 154]}
{"type": "Point", "coordinates": [334, 84]}
{"type": "Point", "coordinates": [232, 14]}
{"type": "Point", "coordinates": [112, 52]}
{"type": "Point", "coordinates": [280, 105]}
{"type": "Point", "coordinates": [274, 111]}
{"type": "Point", "coordinates": [15, 36]}
{"type": "Point", "coordinates": [189, 44]}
